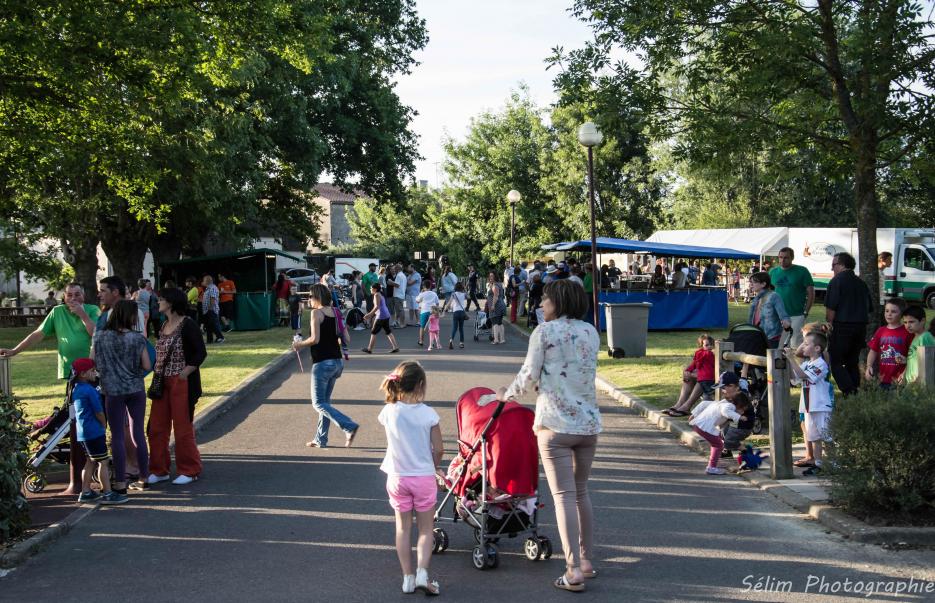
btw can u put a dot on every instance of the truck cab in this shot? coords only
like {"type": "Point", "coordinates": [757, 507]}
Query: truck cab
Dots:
{"type": "Point", "coordinates": [912, 275]}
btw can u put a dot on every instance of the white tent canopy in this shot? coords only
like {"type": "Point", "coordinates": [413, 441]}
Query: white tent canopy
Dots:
{"type": "Point", "coordinates": [761, 241]}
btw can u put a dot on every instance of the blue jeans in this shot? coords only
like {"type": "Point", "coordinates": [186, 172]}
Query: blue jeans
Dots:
{"type": "Point", "coordinates": [458, 324]}
{"type": "Point", "coordinates": [324, 375]}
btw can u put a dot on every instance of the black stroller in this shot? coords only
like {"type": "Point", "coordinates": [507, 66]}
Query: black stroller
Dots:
{"type": "Point", "coordinates": [51, 435]}
{"type": "Point", "coordinates": [750, 339]}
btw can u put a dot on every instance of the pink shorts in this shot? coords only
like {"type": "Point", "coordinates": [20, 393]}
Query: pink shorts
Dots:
{"type": "Point", "coordinates": [412, 491]}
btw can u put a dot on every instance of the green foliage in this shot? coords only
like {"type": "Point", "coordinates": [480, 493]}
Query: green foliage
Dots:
{"type": "Point", "coordinates": [881, 462]}
{"type": "Point", "coordinates": [14, 512]}
{"type": "Point", "coordinates": [129, 122]}
{"type": "Point", "coordinates": [822, 95]}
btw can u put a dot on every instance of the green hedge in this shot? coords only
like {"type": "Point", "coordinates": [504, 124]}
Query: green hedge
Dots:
{"type": "Point", "coordinates": [14, 512]}
{"type": "Point", "coordinates": [883, 456]}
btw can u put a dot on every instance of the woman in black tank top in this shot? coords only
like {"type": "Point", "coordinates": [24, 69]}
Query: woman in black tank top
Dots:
{"type": "Point", "coordinates": [327, 365]}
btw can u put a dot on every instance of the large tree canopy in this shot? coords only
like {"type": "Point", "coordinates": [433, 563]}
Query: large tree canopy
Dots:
{"type": "Point", "coordinates": [852, 79]}
{"type": "Point", "coordinates": [161, 124]}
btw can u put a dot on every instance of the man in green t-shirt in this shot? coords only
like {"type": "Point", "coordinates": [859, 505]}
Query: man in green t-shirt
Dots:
{"type": "Point", "coordinates": [367, 282]}
{"type": "Point", "coordinates": [71, 324]}
{"type": "Point", "coordinates": [795, 286]}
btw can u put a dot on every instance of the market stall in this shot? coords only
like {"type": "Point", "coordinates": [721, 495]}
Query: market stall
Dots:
{"type": "Point", "coordinates": [693, 307]}
{"type": "Point", "coordinates": [253, 271]}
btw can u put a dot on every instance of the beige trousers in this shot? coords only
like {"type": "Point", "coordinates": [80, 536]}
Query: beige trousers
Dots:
{"type": "Point", "coordinates": [567, 461]}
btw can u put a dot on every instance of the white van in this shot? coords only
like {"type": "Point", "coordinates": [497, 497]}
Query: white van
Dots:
{"type": "Point", "coordinates": [911, 277]}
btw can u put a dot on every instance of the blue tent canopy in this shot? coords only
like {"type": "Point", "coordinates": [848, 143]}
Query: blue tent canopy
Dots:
{"type": "Point", "coordinates": [607, 244]}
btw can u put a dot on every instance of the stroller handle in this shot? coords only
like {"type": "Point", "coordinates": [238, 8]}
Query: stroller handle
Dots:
{"type": "Point", "coordinates": [500, 405]}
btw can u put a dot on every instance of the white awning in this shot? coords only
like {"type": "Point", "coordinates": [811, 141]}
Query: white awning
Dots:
{"type": "Point", "coordinates": [760, 241]}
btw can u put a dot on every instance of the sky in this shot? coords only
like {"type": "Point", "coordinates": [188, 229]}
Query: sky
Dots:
{"type": "Point", "coordinates": [478, 52]}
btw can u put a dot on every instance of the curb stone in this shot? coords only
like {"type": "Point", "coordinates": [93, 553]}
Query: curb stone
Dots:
{"type": "Point", "coordinates": [830, 517]}
{"type": "Point", "coordinates": [22, 551]}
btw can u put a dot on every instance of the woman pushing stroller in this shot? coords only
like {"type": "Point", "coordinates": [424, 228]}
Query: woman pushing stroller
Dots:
{"type": "Point", "coordinates": [562, 362]}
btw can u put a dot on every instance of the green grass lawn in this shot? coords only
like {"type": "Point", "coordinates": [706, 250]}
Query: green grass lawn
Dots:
{"type": "Point", "coordinates": [33, 371]}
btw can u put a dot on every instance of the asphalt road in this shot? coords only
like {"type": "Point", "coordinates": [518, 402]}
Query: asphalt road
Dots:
{"type": "Point", "coordinates": [272, 520]}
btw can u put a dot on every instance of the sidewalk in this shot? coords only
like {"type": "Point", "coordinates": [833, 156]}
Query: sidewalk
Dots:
{"type": "Point", "coordinates": [272, 520]}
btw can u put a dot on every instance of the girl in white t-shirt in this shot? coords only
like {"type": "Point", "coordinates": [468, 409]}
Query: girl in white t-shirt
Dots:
{"type": "Point", "coordinates": [413, 453]}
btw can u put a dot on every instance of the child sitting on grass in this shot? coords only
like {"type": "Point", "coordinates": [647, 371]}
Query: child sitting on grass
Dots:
{"type": "Point", "coordinates": [709, 417]}
{"type": "Point", "coordinates": [889, 346]}
{"type": "Point", "coordinates": [697, 378]}
{"type": "Point", "coordinates": [914, 321]}
{"type": "Point", "coordinates": [817, 399]}
{"type": "Point", "coordinates": [92, 434]}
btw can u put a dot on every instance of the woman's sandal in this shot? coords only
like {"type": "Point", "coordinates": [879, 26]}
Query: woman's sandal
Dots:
{"type": "Point", "coordinates": [679, 413]}
{"type": "Point", "coordinates": [804, 463]}
{"type": "Point", "coordinates": [563, 583]}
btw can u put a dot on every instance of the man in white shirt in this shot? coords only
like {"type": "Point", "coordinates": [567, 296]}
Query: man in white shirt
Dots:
{"type": "Point", "coordinates": [399, 296]}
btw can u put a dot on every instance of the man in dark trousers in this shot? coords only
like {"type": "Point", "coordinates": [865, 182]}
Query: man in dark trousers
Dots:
{"type": "Point", "coordinates": [848, 304]}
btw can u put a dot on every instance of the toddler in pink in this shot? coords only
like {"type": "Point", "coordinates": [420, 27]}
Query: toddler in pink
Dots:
{"type": "Point", "coordinates": [434, 328]}
{"type": "Point", "coordinates": [413, 453]}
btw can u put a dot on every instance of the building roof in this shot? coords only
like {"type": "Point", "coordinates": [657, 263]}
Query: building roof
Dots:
{"type": "Point", "coordinates": [335, 194]}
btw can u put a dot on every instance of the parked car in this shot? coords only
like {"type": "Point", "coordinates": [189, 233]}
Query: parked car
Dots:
{"type": "Point", "coordinates": [303, 277]}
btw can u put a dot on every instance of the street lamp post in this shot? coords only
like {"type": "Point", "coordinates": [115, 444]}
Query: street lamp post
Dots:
{"type": "Point", "coordinates": [589, 136]}
{"type": "Point", "coordinates": [513, 197]}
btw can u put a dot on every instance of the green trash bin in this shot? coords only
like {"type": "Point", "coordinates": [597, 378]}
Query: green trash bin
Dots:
{"type": "Point", "coordinates": [253, 311]}
{"type": "Point", "coordinates": [627, 327]}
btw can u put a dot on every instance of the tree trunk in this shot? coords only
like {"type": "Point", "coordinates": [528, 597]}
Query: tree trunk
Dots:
{"type": "Point", "coordinates": [166, 247]}
{"type": "Point", "coordinates": [865, 198]}
{"type": "Point", "coordinates": [81, 255]}
{"type": "Point", "coordinates": [123, 240]}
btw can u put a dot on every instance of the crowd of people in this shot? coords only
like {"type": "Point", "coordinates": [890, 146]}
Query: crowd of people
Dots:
{"type": "Point", "coordinates": [104, 353]}
{"type": "Point", "coordinates": [817, 352]}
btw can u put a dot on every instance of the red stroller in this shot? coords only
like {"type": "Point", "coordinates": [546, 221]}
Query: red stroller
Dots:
{"type": "Point", "coordinates": [493, 481]}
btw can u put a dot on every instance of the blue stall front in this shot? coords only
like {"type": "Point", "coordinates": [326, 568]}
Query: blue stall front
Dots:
{"type": "Point", "coordinates": [689, 308]}
{"type": "Point", "coordinates": [701, 308]}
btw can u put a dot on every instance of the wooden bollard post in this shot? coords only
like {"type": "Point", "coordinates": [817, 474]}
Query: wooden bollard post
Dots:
{"type": "Point", "coordinates": [927, 366]}
{"type": "Point", "coordinates": [780, 419]}
{"type": "Point", "coordinates": [6, 387]}
{"type": "Point", "coordinates": [721, 365]}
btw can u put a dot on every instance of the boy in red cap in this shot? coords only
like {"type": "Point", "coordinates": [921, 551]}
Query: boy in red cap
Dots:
{"type": "Point", "coordinates": [92, 433]}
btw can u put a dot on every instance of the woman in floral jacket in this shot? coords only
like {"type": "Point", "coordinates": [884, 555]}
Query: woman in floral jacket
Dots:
{"type": "Point", "coordinates": [561, 363]}
{"type": "Point", "coordinates": [767, 310]}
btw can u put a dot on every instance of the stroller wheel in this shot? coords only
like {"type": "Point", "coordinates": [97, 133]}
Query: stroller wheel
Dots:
{"type": "Point", "coordinates": [485, 557]}
{"type": "Point", "coordinates": [34, 483]}
{"type": "Point", "coordinates": [440, 538]}
{"type": "Point", "coordinates": [546, 545]}
{"type": "Point", "coordinates": [476, 338]}
{"type": "Point", "coordinates": [532, 549]}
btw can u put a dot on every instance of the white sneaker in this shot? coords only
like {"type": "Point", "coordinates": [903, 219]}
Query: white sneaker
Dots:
{"type": "Point", "coordinates": [182, 480]}
{"type": "Point", "coordinates": [715, 471]}
{"type": "Point", "coordinates": [409, 583]}
{"type": "Point", "coordinates": [428, 587]}
{"type": "Point", "coordinates": [155, 479]}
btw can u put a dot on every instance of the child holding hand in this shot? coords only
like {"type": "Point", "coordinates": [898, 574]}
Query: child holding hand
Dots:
{"type": "Point", "coordinates": [413, 452]}
{"type": "Point", "coordinates": [697, 378]}
{"type": "Point", "coordinates": [817, 399]}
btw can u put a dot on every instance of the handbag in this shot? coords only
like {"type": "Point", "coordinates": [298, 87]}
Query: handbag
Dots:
{"type": "Point", "coordinates": [156, 387]}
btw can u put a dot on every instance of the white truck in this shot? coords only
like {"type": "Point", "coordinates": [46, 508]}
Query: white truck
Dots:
{"type": "Point", "coordinates": [911, 276]}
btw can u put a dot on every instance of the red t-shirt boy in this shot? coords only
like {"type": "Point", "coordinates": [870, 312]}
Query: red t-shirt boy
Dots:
{"type": "Point", "coordinates": [889, 347]}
